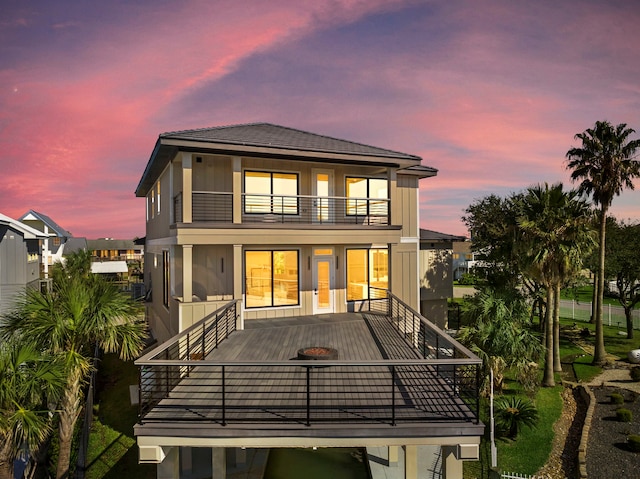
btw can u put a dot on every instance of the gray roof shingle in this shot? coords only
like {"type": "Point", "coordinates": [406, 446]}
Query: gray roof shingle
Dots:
{"type": "Point", "coordinates": [275, 136]}
{"type": "Point", "coordinates": [275, 141]}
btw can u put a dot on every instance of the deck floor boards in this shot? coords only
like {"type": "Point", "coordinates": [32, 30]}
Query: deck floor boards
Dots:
{"type": "Point", "coordinates": [340, 393]}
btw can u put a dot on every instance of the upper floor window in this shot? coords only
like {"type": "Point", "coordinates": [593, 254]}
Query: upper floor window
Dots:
{"type": "Point", "coordinates": [158, 196]}
{"type": "Point", "coordinates": [365, 193]}
{"type": "Point", "coordinates": [270, 192]}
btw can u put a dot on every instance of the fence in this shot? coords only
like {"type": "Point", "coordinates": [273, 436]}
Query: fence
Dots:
{"type": "Point", "coordinates": [611, 315]}
{"type": "Point", "coordinates": [515, 475]}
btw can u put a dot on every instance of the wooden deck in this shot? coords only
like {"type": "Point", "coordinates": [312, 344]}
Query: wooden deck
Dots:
{"type": "Point", "coordinates": [254, 382]}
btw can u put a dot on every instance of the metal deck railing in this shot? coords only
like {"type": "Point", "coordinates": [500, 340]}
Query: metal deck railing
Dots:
{"type": "Point", "coordinates": [217, 207]}
{"type": "Point", "coordinates": [426, 376]}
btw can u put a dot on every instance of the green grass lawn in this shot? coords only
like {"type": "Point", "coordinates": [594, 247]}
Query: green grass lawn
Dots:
{"type": "Point", "coordinates": [112, 452]}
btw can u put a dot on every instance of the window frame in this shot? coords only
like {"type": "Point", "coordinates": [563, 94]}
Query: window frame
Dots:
{"type": "Point", "coordinates": [368, 196]}
{"type": "Point", "coordinates": [272, 207]}
{"type": "Point", "coordinates": [368, 267]}
{"type": "Point", "coordinates": [272, 278]}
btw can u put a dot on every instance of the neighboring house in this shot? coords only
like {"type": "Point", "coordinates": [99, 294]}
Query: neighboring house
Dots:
{"type": "Point", "coordinates": [436, 274]}
{"type": "Point", "coordinates": [261, 240]}
{"type": "Point", "coordinates": [56, 237]}
{"type": "Point", "coordinates": [462, 257]}
{"type": "Point", "coordinates": [110, 249]}
{"type": "Point", "coordinates": [19, 259]}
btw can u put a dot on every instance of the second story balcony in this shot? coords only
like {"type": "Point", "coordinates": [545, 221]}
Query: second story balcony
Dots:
{"type": "Point", "coordinates": [220, 207]}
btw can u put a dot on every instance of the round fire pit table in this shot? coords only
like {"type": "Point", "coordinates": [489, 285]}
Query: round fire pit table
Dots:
{"type": "Point", "coordinates": [317, 353]}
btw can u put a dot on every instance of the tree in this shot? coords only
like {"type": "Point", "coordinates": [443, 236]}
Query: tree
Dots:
{"type": "Point", "coordinates": [81, 311]}
{"type": "Point", "coordinates": [605, 165]}
{"type": "Point", "coordinates": [555, 236]}
{"type": "Point", "coordinates": [498, 332]}
{"type": "Point", "coordinates": [623, 264]}
{"type": "Point", "coordinates": [29, 379]}
{"type": "Point", "coordinates": [491, 222]}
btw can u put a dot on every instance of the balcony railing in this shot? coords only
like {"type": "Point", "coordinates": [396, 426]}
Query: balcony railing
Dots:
{"type": "Point", "coordinates": [301, 209]}
{"type": "Point", "coordinates": [438, 382]}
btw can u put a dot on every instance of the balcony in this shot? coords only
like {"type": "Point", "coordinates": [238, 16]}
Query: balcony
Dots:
{"type": "Point", "coordinates": [280, 209]}
{"type": "Point", "coordinates": [397, 375]}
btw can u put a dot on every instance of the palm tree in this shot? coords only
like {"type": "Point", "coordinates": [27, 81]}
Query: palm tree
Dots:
{"type": "Point", "coordinates": [81, 311]}
{"type": "Point", "coordinates": [28, 380]}
{"type": "Point", "coordinates": [499, 333]}
{"type": "Point", "coordinates": [605, 165]}
{"type": "Point", "coordinates": [555, 236]}
{"type": "Point", "coordinates": [513, 412]}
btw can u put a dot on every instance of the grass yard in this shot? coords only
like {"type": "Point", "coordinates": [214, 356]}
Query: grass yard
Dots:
{"type": "Point", "coordinates": [113, 453]}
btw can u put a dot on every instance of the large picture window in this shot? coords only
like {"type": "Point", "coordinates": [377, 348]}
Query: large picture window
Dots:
{"type": "Point", "coordinates": [366, 196]}
{"type": "Point", "coordinates": [271, 278]}
{"type": "Point", "coordinates": [270, 192]}
{"type": "Point", "coordinates": [366, 269]}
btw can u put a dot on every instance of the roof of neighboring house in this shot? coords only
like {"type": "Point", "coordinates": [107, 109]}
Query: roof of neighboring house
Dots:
{"type": "Point", "coordinates": [112, 244]}
{"type": "Point", "coordinates": [271, 140]}
{"type": "Point", "coordinates": [27, 231]}
{"type": "Point", "coordinates": [57, 229]}
{"type": "Point", "coordinates": [74, 244]}
{"type": "Point", "coordinates": [433, 236]}
{"type": "Point", "coordinates": [109, 267]}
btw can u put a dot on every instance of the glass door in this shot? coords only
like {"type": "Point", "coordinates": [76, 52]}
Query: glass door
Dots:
{"type": "Point", "coordinates": [322, 192]}
{"type": "Point", "coordinates": [323, 279]}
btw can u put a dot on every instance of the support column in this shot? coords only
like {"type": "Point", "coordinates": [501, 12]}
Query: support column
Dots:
{"type": "Point", "coordinates": [392, 189]}
{"type": "Point", "coordinates": [410, 462]}
{"type": "Point", "coordinates": [169, 468]}
{"type": "Point", "coordinates": [237, 190]}
{"type": "Point", "coordinates": [218, 463]}
{"type": "Point", "coordinates": [187, 273]}
{"type": "Point", "coordinates": [238, 277]}
{"type": "Point", "coordinates": [451, 465]}
{"type": "Point", "coordinates": [186, 460]}
{"type": "Point", "coordinates": [392, 455]}
{"type": "Point", "coordinates": [187, 188]}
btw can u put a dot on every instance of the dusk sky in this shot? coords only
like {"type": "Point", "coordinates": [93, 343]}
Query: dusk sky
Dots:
{"type": "Point", "coordinates": [491, 93]}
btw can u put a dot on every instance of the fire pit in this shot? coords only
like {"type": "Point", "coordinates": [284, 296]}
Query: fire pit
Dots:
{"type": "Point", "coordinates": [317, 353]}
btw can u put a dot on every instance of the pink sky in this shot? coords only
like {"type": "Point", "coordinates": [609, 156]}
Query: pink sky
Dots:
{"type": "Point", "coordinates": [489, 93]}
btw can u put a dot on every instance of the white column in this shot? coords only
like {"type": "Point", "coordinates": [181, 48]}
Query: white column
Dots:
{"type": "Point", "coordinates": [238, 276]}
{"type": "Point", "coordinates": [187, 188]}
{"type": "Point", "coordinates": [237, 189]}
{"type": "Point", "coordinates": [187, 273]}
{"type": "Point", "coordinates": [218, 463]}
{"type": "Point", "coordinates": [169, 468]}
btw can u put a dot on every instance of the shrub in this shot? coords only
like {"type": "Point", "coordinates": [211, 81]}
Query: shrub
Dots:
{"type": "Point", "coordinates": [616, 398]}
{"type": "Point", "coordinates": [512, 413]}
{"type": "Point", "coordinates": [635, 373]}
{"type": "Point", "coordinates": [633, 441]}
{"type": "Point", "coordinates": [624, 415]}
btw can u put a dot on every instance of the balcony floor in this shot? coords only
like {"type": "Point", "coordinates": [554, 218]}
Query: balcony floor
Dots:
{"type": "Point", "coordinates": [429, 410]}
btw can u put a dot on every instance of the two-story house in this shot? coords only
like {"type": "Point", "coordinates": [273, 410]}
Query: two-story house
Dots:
{"type": "Point", "coordinates": [54, 243]}
{"type": "Point", "coordinates": [261, 241]}
{"type": "Point", "coordinates": [19, 259]}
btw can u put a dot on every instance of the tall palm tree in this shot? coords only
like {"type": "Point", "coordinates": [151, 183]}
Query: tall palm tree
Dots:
{"type": "Point", "coordinates": [28, 380]}
{"type": "Point", "coordinates": [605, 165]}
{"type": "Point", "coordinates": [82, 310]}
{"type": "Point", "coordinates": [555, 235]}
